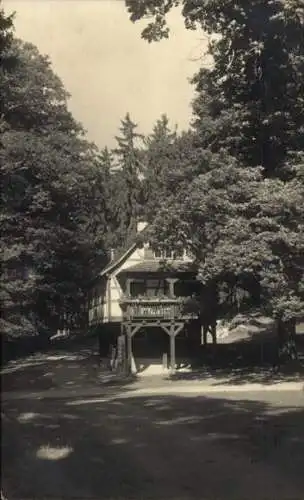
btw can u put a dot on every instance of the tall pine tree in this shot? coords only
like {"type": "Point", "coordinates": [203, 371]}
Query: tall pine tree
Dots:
{"type": "Point", "coordinates": [157, 163]}
{"type": "Point", "coordinates": [128, 156]}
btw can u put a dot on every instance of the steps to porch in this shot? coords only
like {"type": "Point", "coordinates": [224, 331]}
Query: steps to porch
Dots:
{"type": "Point", "coordinates": [145, 367]}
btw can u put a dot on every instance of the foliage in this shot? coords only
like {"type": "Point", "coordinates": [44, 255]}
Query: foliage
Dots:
{"type": "Point", "coordinates": [157, 163]}
{"type": "Point", "coordinates": [251, 102]}
{"type": "Point", "coordinates": [243, 230]}
{"type": "Point", "coordinates": [104, 222]}
{"type": "Point", "coordinates": [128, 185]}
{"type": "Point", "coordinates": [137, 176]}
{"type": "Point", "coordinates": [243, 224]}
{"type": "Point", "coordinates": [255, 90]}
{"type": "Point", "coordinates": [170, 162]}
{"type": "Point", "coordinates": [47, 191]}
{"type": "Point", "coordinates": [6, 34]}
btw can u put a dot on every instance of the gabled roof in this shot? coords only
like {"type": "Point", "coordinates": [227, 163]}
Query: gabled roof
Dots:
{"type": "Point", "coordinates": [148, 265]}
{"type": "Point", "coordinates": [125, 252]}
{"type": "Point", "coordinates": [120, 258]}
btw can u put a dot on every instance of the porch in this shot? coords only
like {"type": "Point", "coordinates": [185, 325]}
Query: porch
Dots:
{"type": "Point", "coordinates": [157, 306]}
{"type": "Point", "coordinates": [151, 327]}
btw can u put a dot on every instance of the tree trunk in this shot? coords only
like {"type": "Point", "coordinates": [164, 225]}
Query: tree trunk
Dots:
{"type": "Point", "coordinates": [287, 346]}
{"type": "Point", "coordinates": [213, 332]}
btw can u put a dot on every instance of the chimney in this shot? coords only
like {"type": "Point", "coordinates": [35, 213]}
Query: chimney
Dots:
{"type": "Point", "coordinates": [141, 226]}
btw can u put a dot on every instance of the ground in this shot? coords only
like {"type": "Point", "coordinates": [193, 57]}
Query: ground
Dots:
{"type": "Point", "coordinates": [69, 433]}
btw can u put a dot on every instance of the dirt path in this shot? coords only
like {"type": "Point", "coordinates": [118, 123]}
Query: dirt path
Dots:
{"type": "Point", "coordinates": [240, 446]}
{"type": "Point", "coordinates": [154, 447]}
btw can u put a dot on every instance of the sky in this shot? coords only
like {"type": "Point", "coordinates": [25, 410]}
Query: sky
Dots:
{"type": "Point", "coordinates": [106, 66]}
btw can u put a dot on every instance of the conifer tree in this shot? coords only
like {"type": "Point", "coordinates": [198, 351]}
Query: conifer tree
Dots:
{"type": "Point", "coordinates": [129, 173]}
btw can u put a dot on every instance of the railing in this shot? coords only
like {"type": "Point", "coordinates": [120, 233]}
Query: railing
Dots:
{"type": "Point", "coordinates": [153, 308]}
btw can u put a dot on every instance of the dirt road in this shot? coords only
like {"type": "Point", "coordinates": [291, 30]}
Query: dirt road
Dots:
{"type": "Point", "coordinates": [245, 445]}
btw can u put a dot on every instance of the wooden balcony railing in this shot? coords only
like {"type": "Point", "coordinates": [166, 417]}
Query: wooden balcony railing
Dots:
{"type": "Point", "coordinates": [154, 308]}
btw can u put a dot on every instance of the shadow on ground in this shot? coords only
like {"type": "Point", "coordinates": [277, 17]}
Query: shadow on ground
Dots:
{"type": "Point", "coordinates": [241, 363]}
{"type": "Point", "coordinates": [57, 369]}
{"type": "Point", "coordinates": [232, 375]}
{"type": "Point", "coordinates": [80, 370]}
{"type": "Point", "coordinates": [19, 347]}
{"type": "Point", "coordinates": [154, 447]}
{"type": "Point", "coordinates": [75, 363]}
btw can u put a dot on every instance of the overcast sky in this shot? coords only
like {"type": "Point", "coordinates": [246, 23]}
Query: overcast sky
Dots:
{"type": "Point", "coordinates": [105, 65]}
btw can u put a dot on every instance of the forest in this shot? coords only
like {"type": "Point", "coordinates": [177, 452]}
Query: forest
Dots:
{"type": "Point", "coordinates": [230, 189]}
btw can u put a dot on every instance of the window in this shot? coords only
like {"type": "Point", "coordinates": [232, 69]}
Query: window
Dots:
{"type": "Point", "coordinates": [150, 288]}
{"type": "Point", "coordinates": [178, 254]}
{"type": "Point", "coordinates": [168, 254]}
{"type": "Point", "coordinates": [137, 288]}
{"type": "Point", "coordinates": [155, 288]}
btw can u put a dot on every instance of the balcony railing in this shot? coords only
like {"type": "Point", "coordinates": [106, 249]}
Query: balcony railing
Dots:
{"type": "Point", "coordinates": [140, 308]}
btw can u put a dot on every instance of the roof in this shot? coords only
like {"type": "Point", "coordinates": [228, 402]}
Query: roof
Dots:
{"type": "Point", "coordinates": [129, 247]}
{"type": "Point", "coordinates": [154, 266]}
{"type": "Point", "coordinates": [122, 255]}
{"type": "Point", "coordinates": [146, 266]}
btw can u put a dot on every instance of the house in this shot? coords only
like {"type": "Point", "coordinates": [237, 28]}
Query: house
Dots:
{"type": "Point", "coordinates": [143, 300]}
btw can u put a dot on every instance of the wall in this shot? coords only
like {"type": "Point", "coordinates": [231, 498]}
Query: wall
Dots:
{"type": "Point", "coordinates": [96, 303]}
{"type": "Point", "coordinates": [112, 310]}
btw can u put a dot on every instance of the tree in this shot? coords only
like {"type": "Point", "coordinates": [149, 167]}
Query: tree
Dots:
{"type": "Point", "coordinates": [158, 154]}
{"type": "Point", "coordinates": [254, 92]}
{"type": "Point", "coordinates": [171, 161]}
{"type": "Point", "coordinates": [242, 229]}
{"type": "Point", "coordinates": [107, 213]}
{"type": "Point", "coordinates": [129, 170]}
{"type": "Point", "coordinates": [6, 35]}
{"type": "Point", "coordinates": [6, 59]}
{"type": "Point", "coordinates": [47, 192]}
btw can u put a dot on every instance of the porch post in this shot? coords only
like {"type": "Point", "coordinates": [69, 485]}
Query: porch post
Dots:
{"type": "Point", "coordinates": [171, 282]}
{"type": "Point", "coordinates": [172, 348]}
{"type": "Point", "coordinates": [131, 330]}
{"type": "Point", "coordinates": [172, 330]}
{"type": "Point", "coordinates": [128, 287]}
{"type": "Point", "coordinates": [129, 349]}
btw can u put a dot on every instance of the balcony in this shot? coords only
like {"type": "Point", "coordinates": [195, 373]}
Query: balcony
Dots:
{"type": "Point", "coordinates": [154, 308]}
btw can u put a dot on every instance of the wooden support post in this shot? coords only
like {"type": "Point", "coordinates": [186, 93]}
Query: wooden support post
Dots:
{"type": "Point", "coordinates": [131, 329]}
{"type": "Point", "coordinates": [128, 287]}
{"type": "Point", "coordinates": [173, 331]}
{"type": "Point", "coordinates": [165, 361]}
{"type": "Point", "coordinates": [172, 350]}
{"type": "Point", "coordinates": [171, 282]}
{"type": "Point", "coordinates": [129, 349]}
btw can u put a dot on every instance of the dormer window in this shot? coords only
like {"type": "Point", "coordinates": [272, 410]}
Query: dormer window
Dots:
{"type": "Point", "coordinates": [168, 254]}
